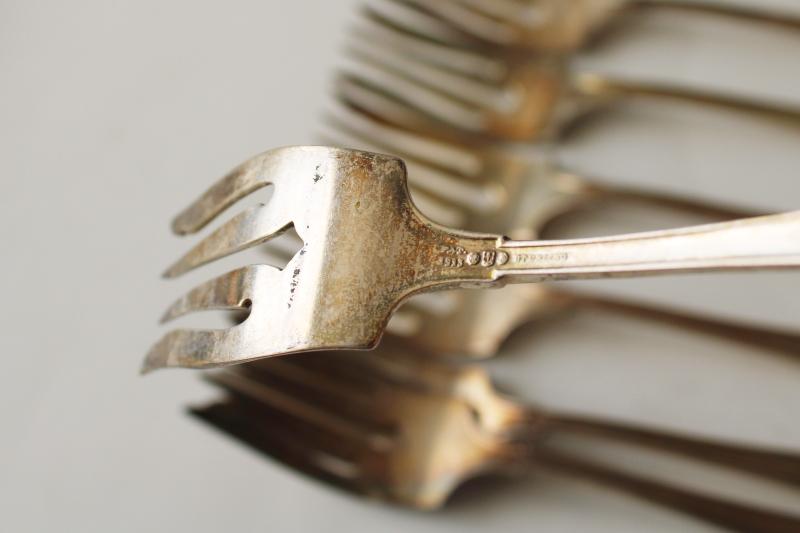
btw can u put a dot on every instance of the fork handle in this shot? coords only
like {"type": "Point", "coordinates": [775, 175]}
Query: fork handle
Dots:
{"type": "Point", "coordinates": [601, 89]}
{"type": "Point", "coordinates": [778, 466]}
{"type": "Point", "coordinates": [745, 13]}
{"type": "Point", "coordinates": [784, 342]}
{"type": "Point", "coordinates": [770, 242]}
{"type": "Point", "coordinates": [730, 515]}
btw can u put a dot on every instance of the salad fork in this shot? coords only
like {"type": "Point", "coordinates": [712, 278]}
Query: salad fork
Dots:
{"type": "Point", "coordinates": [367, 249]}
{"type": "Point", "coordinates": [411, 434]}
{"type": "Point", "coordinates": [563, 26]}
{"type": "Point", "coordinates": [496, 93]}
{"type": "Point", "coordinates": [493, 191]}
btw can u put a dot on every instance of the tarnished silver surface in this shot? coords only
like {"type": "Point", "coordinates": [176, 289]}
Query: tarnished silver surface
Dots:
{"type": "Point", "coordinates": [444, 83]}
{"type": "Point", "coordinates": [400, 429]}
{"type": "Point", "coordinates": [435, 71]}
{"type": "Point", "coordinates": [485, 189]}
{"type": "Point", "coordinates": [565, 25]}
{"type": "Point", "coordinates": [367, 248]}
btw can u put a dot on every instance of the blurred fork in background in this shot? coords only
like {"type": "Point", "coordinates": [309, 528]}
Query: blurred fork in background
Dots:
{"type": "Point", "coordinates": [498, 93]}
{"type": "Point", "coordinates": [566, 25]}
{"type": "Point", "coordinates": [411, 432]}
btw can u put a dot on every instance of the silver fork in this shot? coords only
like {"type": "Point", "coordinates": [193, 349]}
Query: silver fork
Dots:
{"type": "Point", "coordinates": [367, 249]}
{"type": "Point", "coordinates": [411, 436]}
{"type": "Point", "coordinates": [492, 191]}
{"type": "Point", "coordinates": [465, 90]}
{"type": "Point", "coordinates": [566, 25]}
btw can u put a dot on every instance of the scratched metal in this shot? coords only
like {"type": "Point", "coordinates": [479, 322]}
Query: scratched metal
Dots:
{"type": "Point", "coordinates": [367, 249]}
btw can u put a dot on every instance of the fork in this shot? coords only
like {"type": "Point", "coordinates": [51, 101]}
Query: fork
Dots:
{"type": "Point", "coordinates": [367, 249]}
{"type": "Point", "coordinates": [564, 26]}
{"type": "Point", "coordinates": [411, 436]}
{"type": "Point", "coordinates": [465, 90]}
{"type": "Point", "coordinates": [492, 191]}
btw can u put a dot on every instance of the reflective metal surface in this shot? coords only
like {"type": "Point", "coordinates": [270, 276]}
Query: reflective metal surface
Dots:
{"type": "Point", "coordinates": [367, 248]}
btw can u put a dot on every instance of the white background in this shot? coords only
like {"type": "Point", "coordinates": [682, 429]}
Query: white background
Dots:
{"type": "Point", "coordinates": [114, 114]}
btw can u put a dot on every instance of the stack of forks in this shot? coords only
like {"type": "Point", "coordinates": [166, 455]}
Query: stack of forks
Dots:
{"type": "Point", "coordinates": [453, 88]}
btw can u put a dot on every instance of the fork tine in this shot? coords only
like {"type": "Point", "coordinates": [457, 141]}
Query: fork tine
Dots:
{"type": "Point", "coordinates": [249, 228]}
{"type": "Point", "coordinates": [409, 19]}
{"type": "Point", "coordinates": [432, 104]}
{"type": "Point", "coordinates": [230, 291]}
{"type": "Point", "coordinates": [510, 12]}
{"type": "Point", "coordinates": [419, 73]}
{"type": "Point", "coordinates": [382, 32]}
{"type": "Point", "coordinates": [209, 348]}
{"type": "Point", "coordinates": [183, 348]}
{"type": "Point", "coordinates": [348, 436]}
{"type": "Point", "coordinates": [270, 435]}
{"type": "Point", "coordinates": [240, 182]}
{"type": "Point", "coordinates": [408, 143]}
{"type": "Point", "coordinates": [357, 92]}
{"type": "Point", "coordinates": [300, 377]}
{"type": "Point", "coordinates": [470, 20]}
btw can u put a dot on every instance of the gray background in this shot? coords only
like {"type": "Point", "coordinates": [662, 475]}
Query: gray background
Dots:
{"type": "Point", "coordinates": [114, 114]}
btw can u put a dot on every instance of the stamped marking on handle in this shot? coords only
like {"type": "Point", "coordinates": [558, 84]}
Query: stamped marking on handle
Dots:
{"type": "Point", "coordinates": [534, 258]}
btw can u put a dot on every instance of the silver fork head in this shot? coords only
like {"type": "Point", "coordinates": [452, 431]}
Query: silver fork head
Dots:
{"type": "Point", "coordinates": [452, 86]}
{"type": "Point", "coordinates": [555, 26]}
{"type": "Point", "coordinates": [371, 434]}
{"type": "Point", "coordinates": [366, 249]}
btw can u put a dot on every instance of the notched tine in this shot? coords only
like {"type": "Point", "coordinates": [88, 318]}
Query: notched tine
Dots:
{"type": "Point", "coordinates": [243, 180]}
{"type": "Point", "coordinates": [189, 348]}
{"type": "Point", "coordinates": [250, 228]}
{"type": "Point", "coordinates": [228, 292]}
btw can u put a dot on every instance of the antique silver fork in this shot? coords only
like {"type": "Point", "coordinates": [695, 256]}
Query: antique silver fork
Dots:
{"type": "Point", "coordinates": [465, 90]}
{"type": "Point", "coordinates": [367, 249]}
{"type": "Point", "coordinates": [411, 434]}
{"type": "Point", "coordinates": [493, 191]}
{"type": "Point", "coordinates": [566, 25]}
